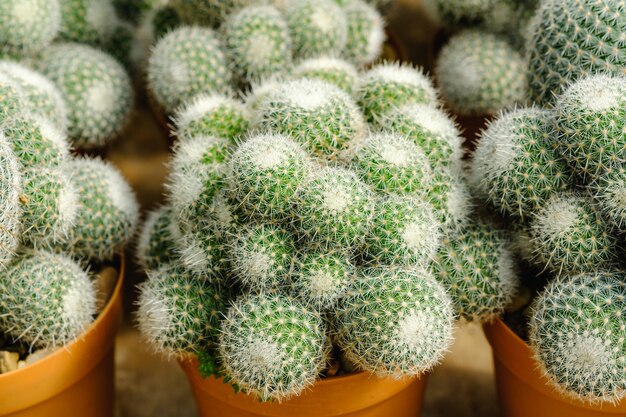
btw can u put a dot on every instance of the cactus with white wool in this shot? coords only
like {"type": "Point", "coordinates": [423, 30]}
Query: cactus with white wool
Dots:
{"type": "Point", "coordinates": [156, 242]}
{"type": "Point", "coordinates": [10, 205]}
{"type": "Point", "coordinates": [333, 70]}
{"type": "Point", "coordinates": [28, 26]}
{"type": "Point", "coordinates": [365, 32]}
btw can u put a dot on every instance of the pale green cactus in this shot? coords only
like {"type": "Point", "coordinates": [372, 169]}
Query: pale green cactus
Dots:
{"type": "Point", "coordinates": [450, 198]}
{"type": "Point", "coordinates": [335, 71]}
{"type": "Point", "coordinates": [457, 12]}
{"type": "Point", "coordinates": [207, 12]}
{"type": "Point", "coordinates": [366, 32]}
{"type": "Point", "coordinates": [28, 26]}
{"type": "Point", "coordinates": [87, 21]}
{"type": "Point", "coordinates": [609, 191]}
{"type": "Point", "coordinates": [10, 205]}
{"type": "Point", "coordinates": [156, 242]}
{"type": "Point", "coordinates": [12, 100]}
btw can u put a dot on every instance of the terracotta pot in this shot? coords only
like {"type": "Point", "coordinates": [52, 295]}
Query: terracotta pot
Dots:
{"type": "Point", "coordinates": [359, 394]}
{"type": "Point", "coordinates": [76, 381]}
{"type": "Point", "coordinates": [523, 391]}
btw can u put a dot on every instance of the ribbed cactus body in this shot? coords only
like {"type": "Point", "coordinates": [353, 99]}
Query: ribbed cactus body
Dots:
{"type": "Point", "coordinates": [87, 21]}
{"type": "Point", "coordinates": [335, 71]}
{"type": "Point", "coordinates": [394, 322]}
{"type": "Point", "coordinates": [365, 32]}
{"type": "Point", "coordinates": [61, 311]}
{"type": "Point", "coordinates": [476, 266]}
{"type": "Point", "coordinates": [179, 312]}
{"type": "Point", "coordinates": [186, 62]}
{"type": "Point", "coordinates": [36, 142]}
{"type": "Point", "coordinates": [271, 346]}
{"type": "Point", "coordinates": [257, 42]}
{"type": "Point", "coordinates": [96, 89]}
{"type": "Point", "coordinates": [571, 39]}
{"type": "Point", "coordinates": [10, 206]}
{"type": "Point", "coordinates": [28, 26]}
{"type": "Point", "coordinates": [577, 334]}
{"type": "Point", "coordinates": [156, 243]}
{"type": "Point", "coordinates": [480, 73]}
{"type": "Point", "coordinates": [518, 164]}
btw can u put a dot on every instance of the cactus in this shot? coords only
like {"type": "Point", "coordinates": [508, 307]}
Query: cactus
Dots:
{"type": "Point", "coordinates": [569, 236]}
{"type": "Point", "coordinates": [28, 26]}
{"type": "Point", "coordinates": [257, 42]}
{"type": "Point", "coordinates": [10, 205]}
{"type": "Point", "coordinates": [317, 27]}
{"type": "Point", "coordinates": [107, 211]}
{"type": "Point", "coordinates": [590, 118]}
{"type": "Point", "coordinates": [450, 198]}
{"type": "Point", "coordinates": [211, 115]}
{"type": "Point", "coordinates": [186, 62]}
{"type": "Point", "coordinates": [315, 113]}
{"type": "Point", "coordinates": [394, 322]}
{"type": "Point", "coordinates": [609, 191]}
{"type": "Point", "coordinates": [12, 100]}
{"type": "Point", "coordinates": [476, 266]}
{"type": "Point", "coordinates": [156, 23]}
{"type": "Point", "coordinates": [335, 71]}
{"type": "Point", "coordinates": [61, 311]}
{"type": "Point", "coordinates": [390, 85]}
{"type": "Point", "coordinates": [334, 208]}
{"type": "Point", "coordinates": [259, 91]}
{"type": "Point", "coordinates": [266, 171]}
{"type": "Point", "coordinates": [392, 164]}
{"type": "Point", "coordinates": [42, 96]}
{"type": "Point", "coordinates": [571, 39]}
{"type": "Point", "coordinates": [577, 335]}
{"type": "Point", "coordinates": [366, 32]}
{"type": "Point", "coordinates": [458, 12]}
{"type": "Point", "coordinates": [262, 257]}
{"type": "Point", "coordinates": [207, 12]}
{"type": "Point", "coordinates": [405, 231]}
{"type": "Point", "coordinates": [49, 207]}
{"type": "Point", "coordinates": [179, 312]}
{"type": "Point", "coordinates": [96, 89]}
{"type": "Point", "coordinates": [156, 243]}
{"type": "Point", "coordinates": [480, 73]}
{"type": "Point", "coordinates": [87, 21]}
{"type": "Point", "coordinates": [518, 164]}
{"type": "Point", "coordinates": [321, 278]}
{"type": "Point", "coordinates": [124, 46]}
{"type": "Point", "coordinates": [271, 346]}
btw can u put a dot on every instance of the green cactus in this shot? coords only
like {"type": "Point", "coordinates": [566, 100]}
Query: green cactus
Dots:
{"type": "Point", "coordinates": [10, 205]}
{"type": "Point", "coordinates": [569, 236]}
{"type": "Point", "coordinates": [609, 191]}
{"type": "Point", "coordinates": [317, 27]}
{"type": "Point", "coordinates": [518, 164]}
{"type": "Point", "coordinates": [315, 113]}
{"type": "Point", "coordinates": [590, 118]}
{"type": "Point", "coordinates": [42, 96]}
{"type": "Point", "coordinates": [480, 73]}
{"type": "Point", "coordinates": [390, 163]}
{"type": "Point", "coordinates": [394, 321]}
{"type": "Point", "coordinates": [271, 346]}
{"type": "Point", "coordinates": [450, 198]}
{"type": "Point", "coordinates": [477, 267]}
{"type": "Point", "coordinates": [571, 39]}
{"type": "Point", "coordinates": [156, 23]}
{"type": "Point", "coordinates": [391, 85]}
{"type": "Point", "coordinates": [12, 100]}
{"type": "Point", "coordinates": [133, 10]}
{"type": "Point", "coordinates": [179, 312]}
{"type": "Point", "coordinates": [335, 71]}
{"type": "Point", "coordinates": [61, 311]}
{"type": "Point", "coordinates": [207, 12]}
{"type": "Point", "coordinates": [266, 172]}
{"type": "Point", "coordinates": [212, 115]}
{"type": "Point", "coordinates": [262, 257]}
{"type": "Point", "coordinates": [259, 91]}
{"type": "Point", "coordinates": [405, 231]}
{"type": "Point", "coordinates": [366, 32]}
{"type": "Point", "coordinates": [184, 63]}
{"type": "Point", "coordinates": [458, 12]}
{"type": "Point", "coordinates": [156, 242]}
{"type": "Point", "coordinates": [577, 333]}
{"type": "Point", "coordinates": [28, 26]}
{"type": "Point", "coordinates": [87, 21]}
{"type": "Point", "coordinates": [257, 42]}
{"type": "Point", "coordinates": [96, 89]}
{"type": "Point", "coordinates": [334, 208]}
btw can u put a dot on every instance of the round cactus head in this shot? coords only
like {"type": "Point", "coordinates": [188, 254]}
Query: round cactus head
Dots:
{"type": "Point", "coordinates": [156, 242]}
{"type": "Point", "coordinates": [184, 63]}
{"type": "Point", "coordinates": [394, 321]}
{"type": "Point", "coordinates": [271, 346]}
{"type": "Point", "coordinates": [87, 21]}
{"type": "Point", "coordinates": [366, 32]}
{"type": "Point", "coordinates": [28, 26]}
{"type": "Point", "coordinates": [390, 85]}
{"type": "Point", "coordinates": [451, 199]}
{"type": "Point", "coordinates": [63, 308]}
{"type": "Point", "coordinates": [517, 162]}
{"type": "Point", "coordinates": [259, 91]}
{"type": "Point", "coordinates": [12, 100]}
{"type": "Point", "coordinates": [266, 171]}
{"type": "Point", "coordinates": [591, 120]}
{"type": "Point", "coordinates": [96, 88]}
{"type": "Point", "coordinates": [179, 312]}
{"type": "Point", "coordinates": [577, 335]}
{"type": "Point", "coordinates": [610, 194]}
{"type": "Point", "coordinates": [257, 42]}
{"type": "Point", "coordinates": [315, 113]}
{"type": "Point", "coordinates": [480, 73]}
{"type": "Point", "coordinates": [569, 236]}
{"type": "Point", "coordinates": [335, 71]}
{"type": "Point", "coordinates": [10, 206]}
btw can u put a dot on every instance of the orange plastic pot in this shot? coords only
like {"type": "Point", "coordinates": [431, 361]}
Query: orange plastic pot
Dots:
{"type": "Point", "coordinates": [76, 381]}
{"type": "Point", "coordinates": [523, 391]}
{"type": "Point", "coordinates": [359, 394]}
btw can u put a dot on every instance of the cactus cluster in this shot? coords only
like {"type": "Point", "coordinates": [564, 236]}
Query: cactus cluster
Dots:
{"type": "Point", "coordinates": [28, 26]}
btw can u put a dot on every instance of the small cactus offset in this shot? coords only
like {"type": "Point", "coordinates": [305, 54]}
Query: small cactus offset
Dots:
{"type": "Point", "coordinates": [365, 32]}
{"type": "Point", "coordinates": [156, 242]}
{"type": "Point", "coordinates": [480, 73]}
{"type": "Point", "coordinates": [28, 26]}
{"type": "Point", "coordinates": [335, 71]}
{"type": "Point", "coordinates": [257, 43]}
{"type": "Point", "coordinates": [179, 312]}
{"type": "Point", "coordinates": [10, 205]}
{"type": "Point", "coordinates": [272, 346]}
{"type": "Point", "coordinates": [317, 114]}
{"type": "Point", "coordinates": [184, 63]}
{"type": "Point", "coordinates": [577, 331]}
{"type": "Point", "coordinates": [394, 321]}
{"type": "Point", "coordinates": [87, 21]}
{"type": "Point", "coordinates": [61, 311]}
{"type": "Point", "coordinates": [476, 266]}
